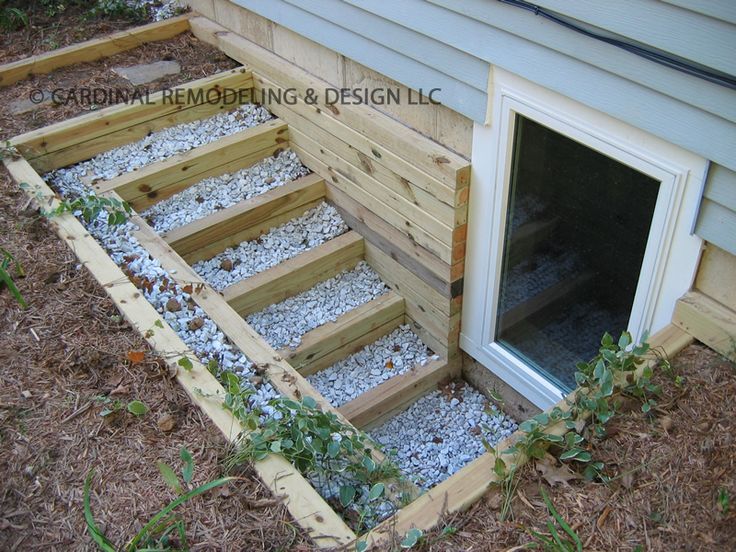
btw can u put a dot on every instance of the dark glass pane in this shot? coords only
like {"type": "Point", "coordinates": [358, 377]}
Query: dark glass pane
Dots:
{"type": "Point", "coordinates": [577, 227]}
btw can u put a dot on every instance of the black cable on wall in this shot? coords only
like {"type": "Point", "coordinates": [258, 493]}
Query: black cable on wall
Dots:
{"type": "Point", "coordinates": [662, 59]}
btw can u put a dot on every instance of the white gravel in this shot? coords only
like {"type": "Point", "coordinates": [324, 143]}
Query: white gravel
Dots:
{"type": "Point", "coordinates": [283, 324]}
{"type": "Point", "coordinates": [164, 143]}
{"type": "Point", "coordinates": [392, 355]}
{"type": "Point", "coordinates": [440, 433]}
{"type": "Point", "coordinates": [316, 226]}
{"type": "Point", "coordinates": [190, 322]}
{"type": "Point", "coordinates": [220, 192]}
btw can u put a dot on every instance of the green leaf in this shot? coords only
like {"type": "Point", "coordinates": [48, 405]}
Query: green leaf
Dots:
{"type": "Point", "coordinates": [572, 453]}
{"type": "Point", "coordinates": [92, 528]}
{"type": "Point", "coordinates": [276, 447]}
{"type": "Point", "coordinates": [499, 468]}
{"type": "Point", "coordinates": [187, 472]}
{"type": "Point", "coordinates": [137, 408]}
{"type": "Point", "coordinates": [412, 538]}
{"type": "Point", "coordinates": [169, 476]}
{"type": "Point", "coordinates": [333, 449]}
{"type": "Point", "coordinates": [172, 505]}
{"type": "Point", "coordinates": [347, 494]}
{"type": "Point", "coordinates": [309, 402]}
{"type": "Point", "coordinates": [646, 407]}
{"type": "Point", "coordinates": [625, 340]}
{"type": "Point", "coordinates": [376, 491]}
{"type": "Point", "coordinates": [361, 546]}
{"type": "Point", "coordinates": [369, 464]}
{"type": "Point", "coordinates": [185, 363]}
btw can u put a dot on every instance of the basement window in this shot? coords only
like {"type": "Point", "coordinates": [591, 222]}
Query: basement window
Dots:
{"type": "Point", "coordinates": [578, 224]}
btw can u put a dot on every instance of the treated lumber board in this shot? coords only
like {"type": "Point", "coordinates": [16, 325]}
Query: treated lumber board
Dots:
{"type": "Point", "coordinates": [400, 222]}
{"type": "Point", "coordinates": [408, 284]}
{"type": "Point", "coordinates": [395, 395]}
{"type": "Point", "coordinates": [304, 503]}
{"type": "Point", "coordinates": [713, 279]}
{"type": "Point", "coordinates": [206, 237]}
{"type": "Point", "coordinates": [295, 275]}
{"type": "Point", "coordinates": [84, 136]}
{"type": "Point", "coordinates": [373, 228]}
{"type": "Point", "coordinates": [158, 181]}
{"type": "Point", "coordinates": [439, 346]}
{"type": "Point", "coordinates": [436, 218]}
{"type": "Point", "coordinates": [460, 491]}
{"type": "Point", "coordinates": [708, 321]}
{"type": "Point", "coordinates": [427, 189]}
{"type": "Point", "coordinates": [347, 328]}
{"type": "Point", "coordinates": [351, 347]}
{"type": "Point", "coordinates": [92, 50]}
{"type": "Point", "coordinates": [388, 135]}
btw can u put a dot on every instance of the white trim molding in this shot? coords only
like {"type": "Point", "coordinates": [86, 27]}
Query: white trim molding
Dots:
{"type": "Point", "coordinates": [672, 251]}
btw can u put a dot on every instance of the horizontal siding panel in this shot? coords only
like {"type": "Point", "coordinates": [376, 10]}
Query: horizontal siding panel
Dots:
{"type": "Point", "coordinates": [710, 97]}
{"type": "Point", "coordinates": [724, 10]}
{"type": "Point", "coordinates": [675, 121]}
{"type": "Point", "coordinates": [454, 94]}
{"type": "Point", "coordinates": [717, 224]}
{"type": "Point", "coordinates": [721, 186]}
{"type": "Point", "coordinates": [426, 50]}
{"type": "Point", "coordinates": [701, 39]}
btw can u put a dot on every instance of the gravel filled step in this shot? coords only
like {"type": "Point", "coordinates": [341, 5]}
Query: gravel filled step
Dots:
{"type": "Point", "coordinates": [162, 144]}
{"type": "Point", "coordinates": [283, 324]}
{"type": "Point", "coordinates": [441, 432]}
{"type": "Point", "coordinates": [220, 192]}
{"type": "Point", "coordinates": [316, 226]}
{"type": "Point", "coordinates": [392, 355]}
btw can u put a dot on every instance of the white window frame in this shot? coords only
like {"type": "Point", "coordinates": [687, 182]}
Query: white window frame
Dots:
{"type": "Point", "coordinates": [672, 251]}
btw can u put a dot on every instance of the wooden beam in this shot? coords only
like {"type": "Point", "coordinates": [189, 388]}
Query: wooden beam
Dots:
{"type": "Point", "coordinates": [92, 50]}
{"type": "Point", "coordinates": [349, 327]}
{"type": "Point", "coordinates": [708, 321]}
{"type": "Point", "coordinates": [310, 510]}
{"type": "Point", "coordinates": [390, 139]}
{"type": "Point", "coordinates": [295, 275]}
{"type": "Point", "coordinates": [82, 137]}
{"type": "Point", "coordinates": [205, 238]}
{"type": "Point", "coordinates": [398, 221]}
{"type": "Point", "coordinates": [395, 395]}
{"type": "Point", "coordinates": [374, 229]}
{"type": "Point", "coordinates": [157, 181]}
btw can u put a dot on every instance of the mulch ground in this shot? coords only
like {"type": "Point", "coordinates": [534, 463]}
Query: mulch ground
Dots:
{"type": "Point", "coordinates": [66, 358]}
{"type": "Point", "coordinates": [667, 470]}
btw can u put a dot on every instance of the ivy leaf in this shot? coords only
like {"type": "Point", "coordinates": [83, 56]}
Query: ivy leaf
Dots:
{"type": "Point", "coordinates": [169, 477]}
{"type": "Point", "coordinates": [185, 363]}
{"type": "Point", "coordinates": [412, 538]}
{"type": "Point", "coordinates": [137, 408]}
{"type": "Point", "coordinates": [347, 494]}
{"type": "Point", "coordinates": [309, 402]}
{"type": "Point", "coordinates": [376, 491]}
{"type": "Point", "coordinates": [361, 546]}
{"type": "Point", "coordinates": [333, 449]}
{"type": "Point", "coordinates": [187, 472]}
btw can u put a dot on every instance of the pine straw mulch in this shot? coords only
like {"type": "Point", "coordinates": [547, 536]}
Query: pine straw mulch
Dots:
{"type": "Point", "coordinates": [70, 348]}
{"type": "Point", "coordinates": [668, 469]}
{"type": "Point", "coordinates": [196, 58]}
{"type": "Point", "coordinates": [49, 32]}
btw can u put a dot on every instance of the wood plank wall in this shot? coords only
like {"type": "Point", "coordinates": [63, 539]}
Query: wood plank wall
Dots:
{"type": "Point", "coordinates": [406, 194]}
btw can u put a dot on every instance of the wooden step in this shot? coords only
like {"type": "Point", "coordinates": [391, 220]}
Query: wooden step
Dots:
{"type": "Point", "coordinates": [82, 137]}
{"type": "Point", "coordinates": [346, 333]}
{"type": "Point", "coordinates": [206, 237]}
{"type": "Point", "coordinates": [295, 275]}
{"type": "Point", "coordinates": [158, 181]}
{"type": "Point", "coordinates": [395, 395]}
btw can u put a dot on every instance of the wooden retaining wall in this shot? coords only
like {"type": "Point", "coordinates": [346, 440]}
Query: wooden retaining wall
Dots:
{"type": "Point", "coordinates": [406, 194]}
